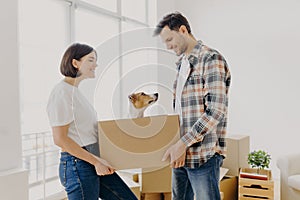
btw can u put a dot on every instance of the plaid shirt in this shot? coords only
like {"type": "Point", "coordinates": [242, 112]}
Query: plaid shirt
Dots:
{"type": "Point", "coordinates": [204, 104]}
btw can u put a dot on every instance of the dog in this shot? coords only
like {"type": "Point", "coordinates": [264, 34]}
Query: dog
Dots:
{"type": "Point", "coordinates": [139, 102]}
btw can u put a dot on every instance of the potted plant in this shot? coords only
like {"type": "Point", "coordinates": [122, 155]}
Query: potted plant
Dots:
{"type": "Point", "coordinates": [259, 159]}
{"type": "Point", "coordinates": [257, 181]}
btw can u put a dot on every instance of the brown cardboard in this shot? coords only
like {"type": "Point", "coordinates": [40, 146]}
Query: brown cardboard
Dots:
{"type": "Point", "coordinates": [229, 187]}
{"type": "Point", "coordinates": [137, 143]}
{"type": "Point", "coordinates": [151, 196]}
{"type": "Point", "coordinates": [238, 147]}
{"type": "Point", "coordinates": [168, 196]}
{"type": "Point", "coordinates": [158, 181]}
{"type": "Point", "coordinates": [157, 196]}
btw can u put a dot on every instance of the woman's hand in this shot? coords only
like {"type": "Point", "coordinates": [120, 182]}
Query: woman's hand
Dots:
{"type": "Point", "coordinates": [103, 167]}
{"type": "Point", "coordinates": [61, 139]}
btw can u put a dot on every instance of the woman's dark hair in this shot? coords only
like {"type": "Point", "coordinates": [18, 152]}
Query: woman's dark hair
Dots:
{"type": "Point", "coordinates": [173, 21]}
{"type": "Point", "coordinates": [75, 51]}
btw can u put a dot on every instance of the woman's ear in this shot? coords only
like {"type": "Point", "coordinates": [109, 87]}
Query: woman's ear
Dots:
{"type": "Point", "coordinates": [75, 63]}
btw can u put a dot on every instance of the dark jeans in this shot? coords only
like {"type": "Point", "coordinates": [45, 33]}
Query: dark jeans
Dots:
{"type": "Point", "coordinates": [81, 181]}
{"type": "Point", "coordinates": [198, 183]}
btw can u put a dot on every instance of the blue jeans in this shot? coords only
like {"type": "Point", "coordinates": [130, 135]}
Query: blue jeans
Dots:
{"type": "Point", "coordinates": [198, 183]}
{"type": "Point", "coordinates": [81, 181]}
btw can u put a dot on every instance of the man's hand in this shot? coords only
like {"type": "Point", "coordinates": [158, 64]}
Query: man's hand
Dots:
{"type": "Point", "coordinates": [177, 154]}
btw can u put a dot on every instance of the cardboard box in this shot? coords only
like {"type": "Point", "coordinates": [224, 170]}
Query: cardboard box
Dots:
{"type": "Point", "coordinates": [229, 187]}
{"type": "Point", "coordinates": [167, 196]}
{"type": "Point", "coordinates": [157, 181]}
{"type": "Point", "coordinates": [157, 196]}
{"type": "Point", "coordinates": [238, 147]}
{"type": "Point", "coordinates": [138, 143]}
{"type": "Point", "coordinates": [152, 196]}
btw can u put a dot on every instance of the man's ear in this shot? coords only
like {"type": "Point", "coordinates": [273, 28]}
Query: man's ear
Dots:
{"type": "Point", "coordinates": [75, 63]}
{"type": "Point", "coordinates": [182, 29]}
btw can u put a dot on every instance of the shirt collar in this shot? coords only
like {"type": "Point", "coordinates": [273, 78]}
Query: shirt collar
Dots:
{"type": "Point", "coordinates": [193, 56]}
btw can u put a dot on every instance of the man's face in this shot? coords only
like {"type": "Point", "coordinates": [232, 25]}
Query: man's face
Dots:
{"type": "Point", "coordinates": [174, 40]}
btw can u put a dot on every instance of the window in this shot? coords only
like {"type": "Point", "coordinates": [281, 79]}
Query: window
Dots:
{"type": "Point", "coordinates": [40, 52]}
{"type": "Point", "coordinates": [97, 29]}
{"type": "Point", "coordinates": [100, 23]}
{"type": "Point", "coordinates": [137, 12]}
{"type": "Point", "coordinates": [105, 4]}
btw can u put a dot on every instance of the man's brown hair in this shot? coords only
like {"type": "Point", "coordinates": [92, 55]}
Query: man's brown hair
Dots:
{"type": "Point", "coordinates": [173, 21]}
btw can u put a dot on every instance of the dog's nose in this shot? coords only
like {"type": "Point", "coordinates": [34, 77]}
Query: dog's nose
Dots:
{"type": "Point", "coordinates": [156, 95]}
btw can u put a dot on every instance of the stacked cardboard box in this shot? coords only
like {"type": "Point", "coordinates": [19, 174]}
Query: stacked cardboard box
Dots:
{"type": "Point", "coordinates": [229, 187]}
{"type": "Point", "coordinates": [238, 147]}
{"type": "Point", "coordinates": [156, 196]}
{"type": "Point", "coordinates": [156, 183]}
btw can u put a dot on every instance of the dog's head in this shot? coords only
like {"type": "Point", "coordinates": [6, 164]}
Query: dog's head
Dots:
{"type": "Point", "coordinates": [142, 100]}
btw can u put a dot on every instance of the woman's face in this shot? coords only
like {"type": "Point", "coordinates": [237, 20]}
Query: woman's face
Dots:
{"type": "Point", "coordinates": [87, 65]}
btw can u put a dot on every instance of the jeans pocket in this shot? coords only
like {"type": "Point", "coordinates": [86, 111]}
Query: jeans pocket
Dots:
{"type": "Point", "coordinates": [220, 159]}
{"type": "Point", "coordinates": [62, 172]}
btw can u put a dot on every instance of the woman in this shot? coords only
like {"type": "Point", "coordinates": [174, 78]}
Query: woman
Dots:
{"type": "Point", "coordinates": [74, 125]}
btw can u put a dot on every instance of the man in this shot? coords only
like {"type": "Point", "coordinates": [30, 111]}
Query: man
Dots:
{"type": "Point", "coordinates": [201, 100]}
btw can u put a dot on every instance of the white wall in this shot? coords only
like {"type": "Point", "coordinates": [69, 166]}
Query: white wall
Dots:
{"type": "Point", "coordinates": [10, 140]}
{"type": "Point", "coordinates": [260, 40]}
{"type": "Point", "coordinates": [10, 137]}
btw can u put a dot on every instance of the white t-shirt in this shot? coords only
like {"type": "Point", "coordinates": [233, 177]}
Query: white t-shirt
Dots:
{"type": "Point", "coordinates": [66, 105]}
{"type": "Point", "coordinates": [182, 77]}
